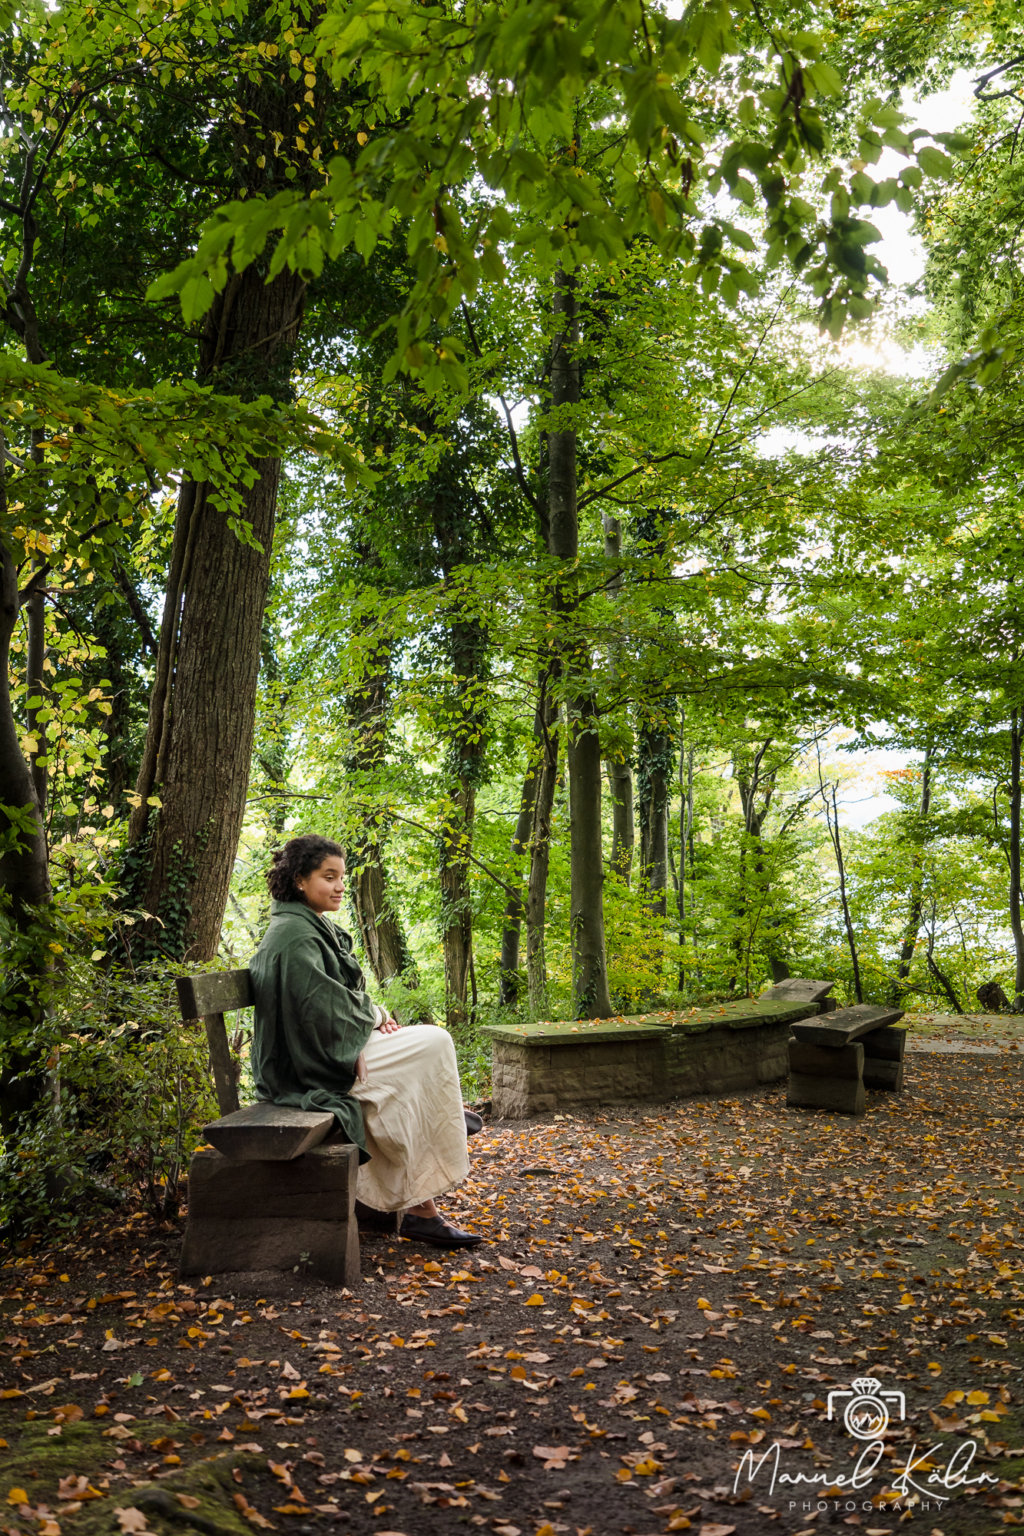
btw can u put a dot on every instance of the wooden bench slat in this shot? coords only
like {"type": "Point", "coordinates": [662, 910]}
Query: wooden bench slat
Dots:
{"type": "Point", "coordinates": [272, 1133]}
{"type": "Point", "coordinates": [218, 992]}
{"type": "Point", "coordinates": [798, 989]}
{"type": "Point", "coordinates": [846, 1025]}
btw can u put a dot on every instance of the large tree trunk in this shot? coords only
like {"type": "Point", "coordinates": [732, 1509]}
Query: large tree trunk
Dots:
{"type": "Point", "coordinates": [202, 712]}
{"type": "Point", "coordinates": [591, 996]}
{"type": "Point", "coordinates": [916, 910]}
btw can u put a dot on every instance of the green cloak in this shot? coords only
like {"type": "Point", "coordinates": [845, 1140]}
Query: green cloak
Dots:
{"type": "Point", "coordinates": [313, 1016]}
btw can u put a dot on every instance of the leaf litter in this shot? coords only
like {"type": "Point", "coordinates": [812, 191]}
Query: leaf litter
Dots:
{"type": "Point", "coordinates": [684, 1287]}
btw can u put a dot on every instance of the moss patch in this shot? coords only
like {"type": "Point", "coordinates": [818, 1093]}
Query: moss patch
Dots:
{"type": "Point", "coordinates": [70, 1478]}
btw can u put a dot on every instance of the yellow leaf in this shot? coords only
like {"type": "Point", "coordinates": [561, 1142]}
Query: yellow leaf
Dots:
{"type": "Point", "coordinates": [536, 1300]}
{"type": "Point", "coordinates": [17, 1496]}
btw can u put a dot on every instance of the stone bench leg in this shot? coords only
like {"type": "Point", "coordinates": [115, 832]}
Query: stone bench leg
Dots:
{"type": "Point", "coordinates": [826, 1077]}
{"type": "Point", "coordinates": [274, 1215]}
{"type": "Point", "coordinates": [883, 1059]}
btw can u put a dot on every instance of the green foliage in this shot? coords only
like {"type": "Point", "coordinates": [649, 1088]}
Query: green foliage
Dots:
{"type": "Point", "coordinates": [126, 1085]}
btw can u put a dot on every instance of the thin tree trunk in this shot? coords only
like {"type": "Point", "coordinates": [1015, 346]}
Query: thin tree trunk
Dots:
{"type": "Point", "coordinates": [202, 713]}
{"type": "Point", "coordinates": [24, 873]}
{"type": "Point", "coordinates": [380, 928]}
{"type": "Point", "coordinates": [940, 975]}
{"type": "Point", "coordinates": [1016, 926]}
{"type": "Point", "coordinates": [685, 833]}
{"type": "Point", "coordinates": [515, 907]}
{"type": "Point", "coordinates": [832, 821]}
{"type": "Point", "coordinates": [540, 858]}
{"type": "Point", "coordinates": [913, 928]}
{"type": "Point", "coordinates": [655, 754]}
{"type": "Point", "coordinates": [591, 997]}
{"type": "Point", "coordinates": [620, 776]}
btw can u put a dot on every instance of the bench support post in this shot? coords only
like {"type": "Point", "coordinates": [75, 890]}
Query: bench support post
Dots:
{"type": "Point", "coordinates": [302, 1217]}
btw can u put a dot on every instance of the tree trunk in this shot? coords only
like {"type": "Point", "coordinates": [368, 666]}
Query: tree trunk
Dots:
{"type": "Point", "coordinates": [509, 981]}
{"type": "Point", "coordinates": [24, 884]}
{"type": "Point", "coordinates": [913, 928]}
{"type": "Point", "coordinates": [685, 834]}
{"type": "Point", "coordinates": [380, 928]}
{"type": "Point", "coordinates": [832, 821]}
{"type": "Point", "coordinates": [655, 759]}
{"type": "Point", "coordinates": [202, 712]}
{"type": "Point", "coordinates": [1016, 926]}
{"type": "Point", "coordinates": [540, 858]}
{"type": "Point", "coordinates": [620, 776]}
{"type": "Point", "coordinates": [465, 762]}
{"type": "Point", "coordinates": [591, 997]}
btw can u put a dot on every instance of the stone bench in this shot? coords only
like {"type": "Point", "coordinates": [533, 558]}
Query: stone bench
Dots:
{"type": "Point", "coordinates": [583, 1064]}
{"type": "Point", "coordinates": [833, 1059]}
{"type": "Point", "coordinates": [269, 1191]}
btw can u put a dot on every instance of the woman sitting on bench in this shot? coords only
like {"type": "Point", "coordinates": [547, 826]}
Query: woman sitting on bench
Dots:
{"type": "Point", "coordinates": [321, 1043]}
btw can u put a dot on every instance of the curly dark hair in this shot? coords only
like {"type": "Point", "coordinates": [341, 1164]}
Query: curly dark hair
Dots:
{"type": "Point", "coordinates": [297, 859]}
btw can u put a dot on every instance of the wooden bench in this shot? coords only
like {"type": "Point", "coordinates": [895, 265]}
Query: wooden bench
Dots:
{"type": "Point", "coordinates": [270, 1191]}
{"type": "Point", "coordinates": [834, 1058]}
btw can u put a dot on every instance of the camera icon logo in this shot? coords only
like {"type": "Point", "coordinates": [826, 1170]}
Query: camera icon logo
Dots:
{"type": "Point", "coordinates": [868, 1409]}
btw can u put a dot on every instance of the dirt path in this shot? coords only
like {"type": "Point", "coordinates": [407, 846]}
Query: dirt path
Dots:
{"type": "Point", "coordinates": [664, 1291]}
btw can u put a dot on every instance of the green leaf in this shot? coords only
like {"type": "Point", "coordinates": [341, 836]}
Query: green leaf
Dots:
{"type": "Point", "coordinates": [933, 162]}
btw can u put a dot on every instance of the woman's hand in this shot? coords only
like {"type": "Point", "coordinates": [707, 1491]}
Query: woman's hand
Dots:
{"type": "Point", "coordinates": [388, 1026]}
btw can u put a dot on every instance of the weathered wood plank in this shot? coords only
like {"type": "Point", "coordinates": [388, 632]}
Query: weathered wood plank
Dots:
{"type": "Point", "coordinates": [798, 989]}
{"type": "Point", "coordinates": [319, 1186]}
{"type": "Point", "coordinates": [842, 1094]}
{"type": "Point", "coordinates": [826, 1061]}
{"type": "Point", "coordinates": [216, 992]}
{"type": "Point", "coordinates": [884, 1075]}
{"type": "Point", "coordinates": [846, 1025]}
{"type": "Point", "coordinates": [885, 1045]}
{"type": "Point", "coordinates": [269, 1132]}
{"type": "Point", "coordinates": [216, 1245]}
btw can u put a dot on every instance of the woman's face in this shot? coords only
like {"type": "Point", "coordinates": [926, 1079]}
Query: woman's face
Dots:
{"type": "Point", "coordinates": [323, 888]}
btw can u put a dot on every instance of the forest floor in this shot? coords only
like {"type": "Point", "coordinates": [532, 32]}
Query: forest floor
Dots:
{"type": "Point", "coordinates": [646, 1342]}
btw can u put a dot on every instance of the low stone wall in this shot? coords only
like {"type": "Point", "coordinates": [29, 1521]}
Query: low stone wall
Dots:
{"type": "Point", "coordinates": [538, 1068]}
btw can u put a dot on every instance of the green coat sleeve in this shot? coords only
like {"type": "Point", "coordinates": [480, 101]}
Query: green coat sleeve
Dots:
{"type": "Point", "coordinates": [310, 1028]}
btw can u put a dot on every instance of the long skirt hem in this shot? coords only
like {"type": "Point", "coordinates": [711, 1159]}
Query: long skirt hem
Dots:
{"type": "Point", "coordinates": [413, 1118]}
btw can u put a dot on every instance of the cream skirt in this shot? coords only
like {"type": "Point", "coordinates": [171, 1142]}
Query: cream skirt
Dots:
{"type": "Point", "coordinates": [412, 1112]}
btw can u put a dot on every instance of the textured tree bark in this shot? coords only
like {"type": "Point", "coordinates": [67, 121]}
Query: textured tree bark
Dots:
{"type": "Point", "coordinates": [202, 712]}
{"type": "Point", "coordinates": [515, 907]}
{"type": "Point", "coordinates": [25, 1084]}
{"type": "Point", "coordinates": [620, 776]}
{"type": "Point", "coordinates": [380, 928]}
{"type": "Point", "coordinates": [592, 998]}
{"type": "Point", "coordinates": [24, 872]}
{"type": "Point", "coordinates": [465, 762]}
{"type": "Point", "coordinates": [540, 858]}
{"type": "Point", "coordinates": [655, 759]}
{"type": "Point", "coordinates": [1016, 926]}
{"type": "Point", "coordinates": [685, 833]}
{"type": "Point", "coordinates": [916, 911]}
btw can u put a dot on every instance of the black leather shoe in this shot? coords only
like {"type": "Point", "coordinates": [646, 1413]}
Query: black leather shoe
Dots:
{"type": "Point", "coordinates": [438, 1232]}
{"type": "Point", "coordinates": [474, 1122]}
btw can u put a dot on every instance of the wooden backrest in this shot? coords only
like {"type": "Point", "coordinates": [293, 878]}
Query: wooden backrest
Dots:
{"type": "Point", "coordinates": [209, 998]}
{"type": "Point", "coordinates": [216, 992]}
